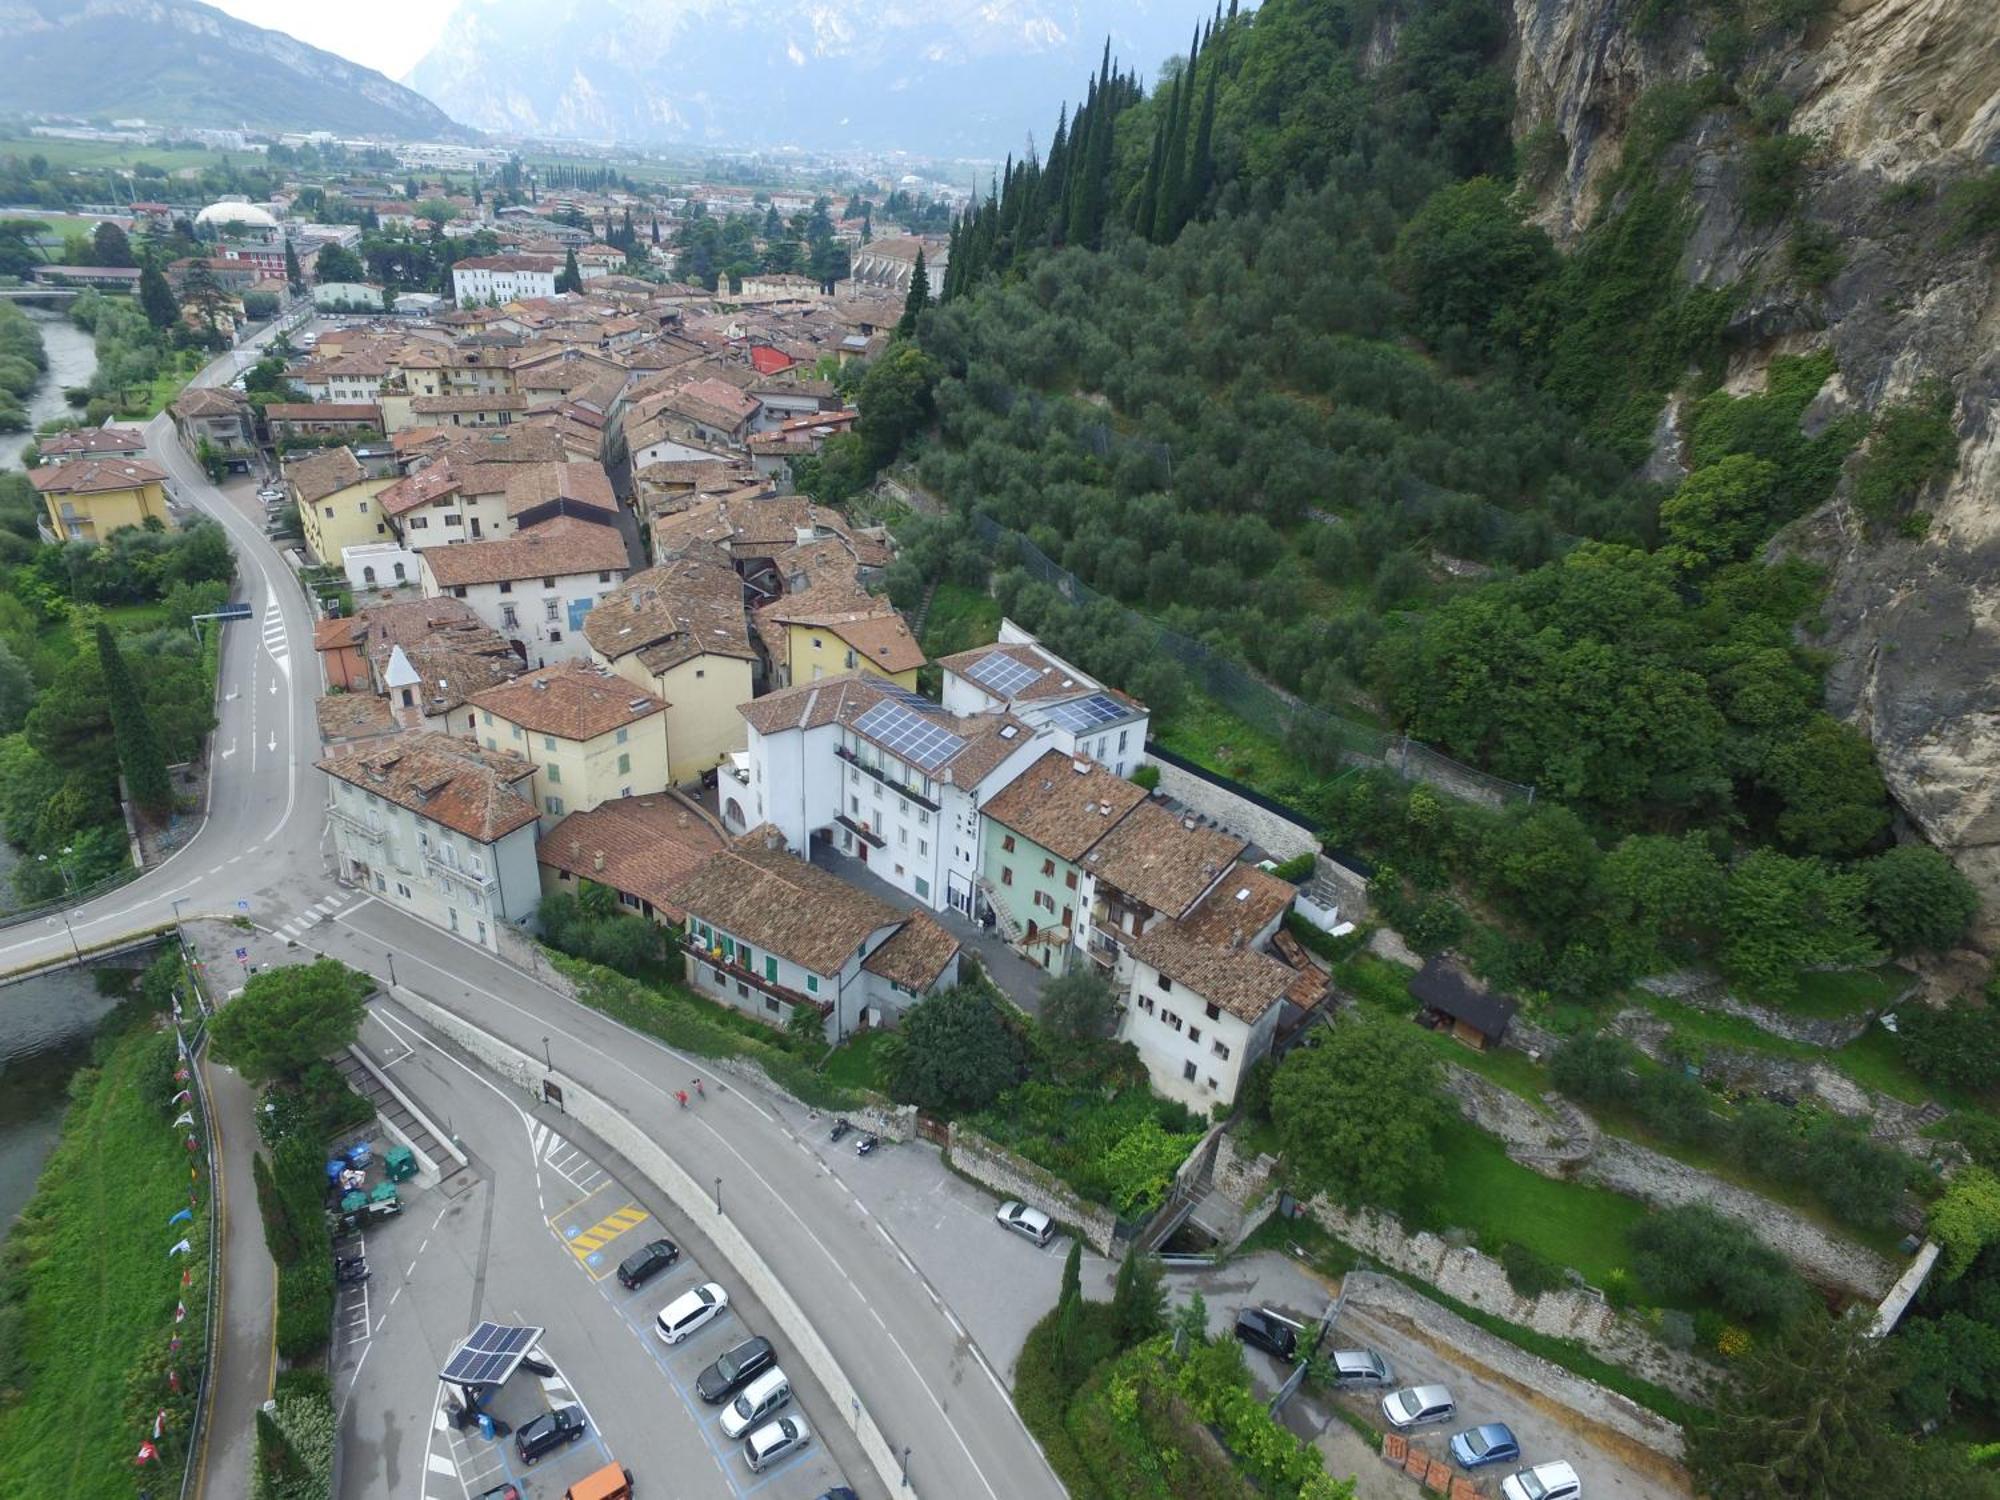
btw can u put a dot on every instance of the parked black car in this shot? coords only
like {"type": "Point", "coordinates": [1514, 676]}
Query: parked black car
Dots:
{"type": "Point", "coordinates": [643, 1264]}
{"type": "Point", "coordinates": [536, 1439]}
{"type": "Point", "coordinates": [735, 1369]}
{"type": "Point", "coordinates": [1262, 1330]}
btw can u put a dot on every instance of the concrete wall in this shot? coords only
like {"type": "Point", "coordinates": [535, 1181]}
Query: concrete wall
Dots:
{"type": "Point", "coordinates": [1278, 836]}
{"type": "Point", "coordinates": [994, 1166]}
{"type": "Point", "coordinates": [612, 1127]}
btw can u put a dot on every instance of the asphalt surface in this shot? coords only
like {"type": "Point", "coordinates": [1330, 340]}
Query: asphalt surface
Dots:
{"type": "Point", "coordinates": [534, 1234]}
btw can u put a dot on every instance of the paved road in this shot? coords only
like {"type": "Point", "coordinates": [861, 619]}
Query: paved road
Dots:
{"type": "Point", "coordinates": [533, 1234]}
{"type": "Point", "coordinates": [264, 816]}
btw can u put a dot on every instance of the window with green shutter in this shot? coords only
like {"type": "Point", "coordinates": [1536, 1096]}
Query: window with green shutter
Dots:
{"type": "Point", "coordinates": [770, 968]}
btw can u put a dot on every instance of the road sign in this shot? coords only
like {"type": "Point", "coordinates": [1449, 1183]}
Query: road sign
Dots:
{"type": "Point", "coordinates": [234, 612]}
{"type": "Point", "coordinates": [243, 906]}
{"type": "Point", "coordinates": [242, 952]}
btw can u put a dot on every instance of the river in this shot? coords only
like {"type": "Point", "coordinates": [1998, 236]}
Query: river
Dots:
{"type": "Point", "coordinates": [46, 1025]}
{"type": "Point", "coordinates": [72, 361]}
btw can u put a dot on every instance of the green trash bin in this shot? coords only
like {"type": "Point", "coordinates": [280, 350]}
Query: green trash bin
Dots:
{"type": "Point", "coordinates": [400, 1164]}
{"type": "Point", "coordinates": [351, 1202]}
{"type": "Point", "coordinates": [385, 1192]}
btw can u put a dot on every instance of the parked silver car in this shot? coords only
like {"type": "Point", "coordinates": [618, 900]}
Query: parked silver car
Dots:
{"type": "Point", "coordinates": [1419, 1406]}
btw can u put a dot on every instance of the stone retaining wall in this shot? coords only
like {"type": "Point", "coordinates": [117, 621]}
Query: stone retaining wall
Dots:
{"type": "Point", "coordinates": [994, 1166]}
{"type": "Point", "coordinates": [1477, 1280]}
{"type": "Point", "coordinates": [1627, 1167]}
{"type": "Point", "coordinates": [611, 1126]}
{"type": "Point", "coordinates": [1276, 835]}
{"type": "Point", "coordinates": [1706, 992]}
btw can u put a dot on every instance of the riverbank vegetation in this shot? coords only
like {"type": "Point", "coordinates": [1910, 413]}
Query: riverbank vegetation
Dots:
{"type": "Point", "coordinates": [59, 742]}
{"type": "Point", "coordinates": [88, 1288]}
{"type": "Point", "coordinates": [22, 362]}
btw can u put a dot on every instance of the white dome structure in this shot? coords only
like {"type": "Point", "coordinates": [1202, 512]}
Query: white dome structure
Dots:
{"type": "Point", "coordinates": [249, 215]}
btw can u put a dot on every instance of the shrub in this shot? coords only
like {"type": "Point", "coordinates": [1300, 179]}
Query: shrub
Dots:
{"type": "Point", "coordinates": [1298, 868]}
{"type": "Point", "coordinates": [1912, 446]}
{"type": "Point", "coordinates": [1956, 1047]}
{"type": "Point", "coordinates": [1693, 1252]}
{"type": "Point", "coordinates": [1147, 776]}
{"type": "Point", "coordinates": [1917, 899]}
{"type": "Point", "coordinates": [1530, 1274]}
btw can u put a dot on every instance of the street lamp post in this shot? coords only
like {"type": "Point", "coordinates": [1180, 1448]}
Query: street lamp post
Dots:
{"type": "Point", "coordinates": [906, 1469]}
{"type": "Point", "coordinates": [72, 938]}
{"type": "Point", "coordinates": [547, 1061]}
{"type": "Point", "coordinates": [718, 1195]}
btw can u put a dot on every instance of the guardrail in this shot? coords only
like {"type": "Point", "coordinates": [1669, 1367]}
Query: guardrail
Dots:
{"type": "Point", "coordinates": [211, 1323]}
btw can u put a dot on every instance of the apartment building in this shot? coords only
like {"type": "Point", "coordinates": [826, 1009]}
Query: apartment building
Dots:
{"type": "Point", "coordinates": [591, 737]}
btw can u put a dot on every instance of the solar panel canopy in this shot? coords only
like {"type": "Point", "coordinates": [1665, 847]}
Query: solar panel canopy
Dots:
{"type": "Point", "coordinates": [1002, 674]}
{"type": "Point", "coordinates": [1082, 715]}
{"type": "Point", "coordinates": [490, 1353]}
{"type": "Point", "coordinates": [898, 727]}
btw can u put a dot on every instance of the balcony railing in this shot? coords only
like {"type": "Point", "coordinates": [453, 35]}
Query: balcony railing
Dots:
{"type": "Point", "coordinates": [900, 788]}
{"type": "Point", "coordinates": [862, 831]}
{"type": "Point", "coordinates": [712, 956]}
{"type": "Point", "coordinates": [363, 825]}
{"type": "Point", "coordinates": [444, 863]}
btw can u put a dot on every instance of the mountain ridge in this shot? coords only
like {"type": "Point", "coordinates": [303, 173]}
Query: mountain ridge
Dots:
{"type": "Point", "coordinates": [823, 73]}
{"type": "Point", "coordinates": [180, 62]}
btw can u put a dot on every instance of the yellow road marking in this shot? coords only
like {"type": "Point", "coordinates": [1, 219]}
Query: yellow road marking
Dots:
{"type": "Point", "coordinates": [605, 1230]}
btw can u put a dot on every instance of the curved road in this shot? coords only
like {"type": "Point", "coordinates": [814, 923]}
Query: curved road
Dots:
{"type": "Point", "coordinates": [265, 814]}
{"type": "Point", "coordinates": [908, 1356]}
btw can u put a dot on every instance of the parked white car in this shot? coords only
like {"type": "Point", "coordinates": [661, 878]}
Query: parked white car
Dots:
{"type": "Point", "coordinates": [1550, 1481]}
{"type": "Point", "coordinates": [691, 1311]}
{"type": "Point", "coordinates": [1030, 1223]}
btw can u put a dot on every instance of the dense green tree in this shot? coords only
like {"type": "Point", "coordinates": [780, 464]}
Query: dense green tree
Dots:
{"type": "Point", "coordinates": [1655, 892]}
{"type": "Point", "coordinates": [157, 298]}
{"type": "Point", "coordinates": [1956, 1045]}
{"type": "Point", "coordinates": [1694, 1251]}
{"type": "Point", "coordinates": [288, 1018]}
{"type": "Point", "coordinates": [1782, 914]}
{"type": "Point", "coordinates": [1543, 861]}
{"type": "Point", "coordinates": [1720, 513]}
{"type": "Point", "coordinates": [1965, 1221]}
{"type": "Point", "coordinates": [1834, 801]}
{"type": "Point", "coordinates": [1078, 1006]}
{"type": "Point", "coordinates": [139, 754]}
{"type": "Point", "coordinates": [1468, 260]}
{"type": "Point", "coordinates": [958, 1052]}
{"type": "Point", "coordinates": [1347, 1134]}
{"type": "Point", "coordinates": [570, 278]}
{"type": "Point", "coordinates": [895, 402]}
{"type": "Point", "coordinates": [295, 276]}
{"type": "Point", "coordinates": [1138, 1299]}
{"type": "Point", "coordinates": [336, 262]}
{"type": "Point", "coordinates": [915, 300]}
{"type": "Point", "coordinates": [1809, 1421]}
{"type": "Point", "coordinates": [1917, 899]}
{"type": "Point", "coordinates": [109, 245]}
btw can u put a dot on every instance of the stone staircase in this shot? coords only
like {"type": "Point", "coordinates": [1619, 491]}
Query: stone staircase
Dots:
{"type": "Point", "coordinates": [921, 615]}
{"type": "Point", "coordinates": [1001, 920]}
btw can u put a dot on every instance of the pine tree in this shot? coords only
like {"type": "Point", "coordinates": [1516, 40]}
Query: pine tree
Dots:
{"type": "Point", "coordinates": [1138, 1303]}
{"type": "Point", "coordinates": [295, 277]}
{"type": "Point", "coordinates": [139, 753]}
{"type": "Point", "coordinates": [1072, 1276]}
{"type": "Point", "coordinates": [157, 298]}
{"type": "Point", "coordinates": [918, 299]}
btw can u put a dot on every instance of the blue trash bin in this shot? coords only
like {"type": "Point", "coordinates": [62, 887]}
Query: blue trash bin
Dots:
{"type": "Point", "coordinates": [486, 1427]}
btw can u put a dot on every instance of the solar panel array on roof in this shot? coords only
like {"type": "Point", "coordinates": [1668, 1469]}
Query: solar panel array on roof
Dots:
{"type": "Point", "coordinates": [1002, 674]}
{"type": "Point", "coordinates": [490, 1354]}
{"type": "Point", "coordinates": [899, 728]}
{"type": "Point", "coordinates": [1082, 715]}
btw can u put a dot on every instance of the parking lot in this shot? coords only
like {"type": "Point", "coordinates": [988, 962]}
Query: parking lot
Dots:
{"type": "Point", "coordinates": [536, 1238]}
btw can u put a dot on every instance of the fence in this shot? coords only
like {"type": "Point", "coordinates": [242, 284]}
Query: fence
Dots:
{"type": "Point", "coordinates": [191, 1049]}
{"type": "Point", "coordinates": [1268, 709]}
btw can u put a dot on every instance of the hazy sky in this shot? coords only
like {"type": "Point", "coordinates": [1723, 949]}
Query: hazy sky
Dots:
{"type": "Point", "coordinates": [386, 34]}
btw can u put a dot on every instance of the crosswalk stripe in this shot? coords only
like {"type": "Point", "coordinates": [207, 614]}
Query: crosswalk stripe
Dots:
{"type": "Point", "coordinates": [439, 1464]}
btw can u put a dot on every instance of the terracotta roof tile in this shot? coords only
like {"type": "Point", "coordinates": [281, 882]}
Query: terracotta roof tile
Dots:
{"type": "Point", "coordinates": [989, 738]}
{"type": "Point", "coordinates": [573, 701]}
{"type": "Point", "coordinates": [445, 779]}
{"type": "Point", "coordinates": [88, 441]}
{"type": "Point", "coordinates": [688, 606]}
{"type": "Point", "coordinates": [643, 846]}
{"type": "Point", "coordinates": [1242, 981]}
{"type": "Point", "coordinates": [91, 476]}
{"type": "Point", "coordinates": [778, 903]}
{"type": "Point", "coordinates": [1062, 808]}
{"type": "Point", "coordinates": [563, 546]}
{"type": "Point", "coordinates": [324, 473]}
{"type": "Point", "coordinates": [352, 716]}
{"type": "Point", "coordinates": [1245, 902]}
{"type": "Point", "coordinates": [916, 955]}
{"type": "Point", "coordinates": [1152, 856]}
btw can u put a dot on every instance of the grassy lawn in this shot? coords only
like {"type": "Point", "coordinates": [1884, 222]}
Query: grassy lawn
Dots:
{"type": "Point", "coordinates": [165, 386]}
{"type": "Point", "coordinates": [1847, 993]}
{"type": "Point", "coordinates": [1501, 1201]}
{"type": "Point", "coordinates": [960, 619]}
{"type": "Point", "coordinates": [1208, 734]}
{"type": "Point", "coordinates": [1514, 1071]}
{"type": "Point", "coordinates": [1871, 1059]}
{"type": "Point", "coordinates": [97, 1291]}
{"type": "Point", "coordinates": [1379, 981]}
{"type": "Point", "coordinates": [854, 1065]}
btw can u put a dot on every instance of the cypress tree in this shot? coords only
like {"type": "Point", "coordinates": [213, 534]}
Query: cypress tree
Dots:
{"type": "Point", "coordinates": [295, 278]}
{"type": "Point", "coordinates": [157, 298]}
{"type": "Point", "coordinates": [1149, 191]}
{"type": "Point", "coordinates": [570, 279]}
{"type": "Point", "coordinates": [139, 754]}
{"type": "Point", "coordinates": [1201, 166]}
{"type": "Point", "coordinates": [1173, 162]}
{"type": "Point", "coordinates": [918, 299]}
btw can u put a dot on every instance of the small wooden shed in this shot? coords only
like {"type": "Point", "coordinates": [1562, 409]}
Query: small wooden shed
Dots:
{"type": "Point", "coordinates": [1461, 1003]}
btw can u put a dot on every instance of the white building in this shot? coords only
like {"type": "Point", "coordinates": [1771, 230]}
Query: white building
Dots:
{"type": "Point", "coordinates": [438, 827]}
{"type": "Point", "coordinates": [534, 587]}
{"type": "Point", "coordinates": [1018, 674]}
{"type": "Point", "coordinates": [503, 278]}
{"type": "Point", "coordinates": [888, 776]}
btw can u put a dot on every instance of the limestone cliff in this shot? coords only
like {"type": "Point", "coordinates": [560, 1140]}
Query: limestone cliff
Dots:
{"type": "Point", "coordinates": [1894, 91]}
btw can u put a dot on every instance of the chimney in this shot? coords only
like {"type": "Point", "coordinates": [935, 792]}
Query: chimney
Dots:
{"type": "Point", "coordinates": [1081, 767]}
{"type": "Point", "coordinates": [597, 861]}
{"type": "Point", "coordinates": [1188, 822]}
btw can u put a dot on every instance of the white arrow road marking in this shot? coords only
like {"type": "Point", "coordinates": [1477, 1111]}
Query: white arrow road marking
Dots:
{"type": "Point", "coordinates": [274, 743]}
{"type": "Point", "coordinates": [274, 687]}
{"type": "Point", "coordinates": [230, 751]}
{"type": "Point", "coordinates": [230, 696]}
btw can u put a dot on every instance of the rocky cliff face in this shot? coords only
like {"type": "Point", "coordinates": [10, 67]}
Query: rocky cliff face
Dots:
{"type": "Point", "coordinates": [1894, 90]}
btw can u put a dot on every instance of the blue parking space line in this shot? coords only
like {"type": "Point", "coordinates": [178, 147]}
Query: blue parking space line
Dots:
{"type": "Point", "coordinates": [770, 1474]}
{"type": "Point", "coordinates": [721, 1454]}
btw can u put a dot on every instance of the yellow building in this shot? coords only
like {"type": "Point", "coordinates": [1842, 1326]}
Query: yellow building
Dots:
{"type": "Point", "coordinates": [591, 736]}
{"type": "Point", "coordinates": [878, 643]}
{"type": "Point", "coordinates": [678, 631]}
{"type": "Point", "coordinates": [89, 498]}
{"type": "Point", "coordinates": [337, 504]}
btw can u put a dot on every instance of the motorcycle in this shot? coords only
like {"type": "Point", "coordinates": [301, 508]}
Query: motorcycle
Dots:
{"type": "Point", "coordinates": [866, 1145]}
{"type": "Point", "coordinates": [350, 1268]}
{"type": "Point", "coordinates": [840, 1128]}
